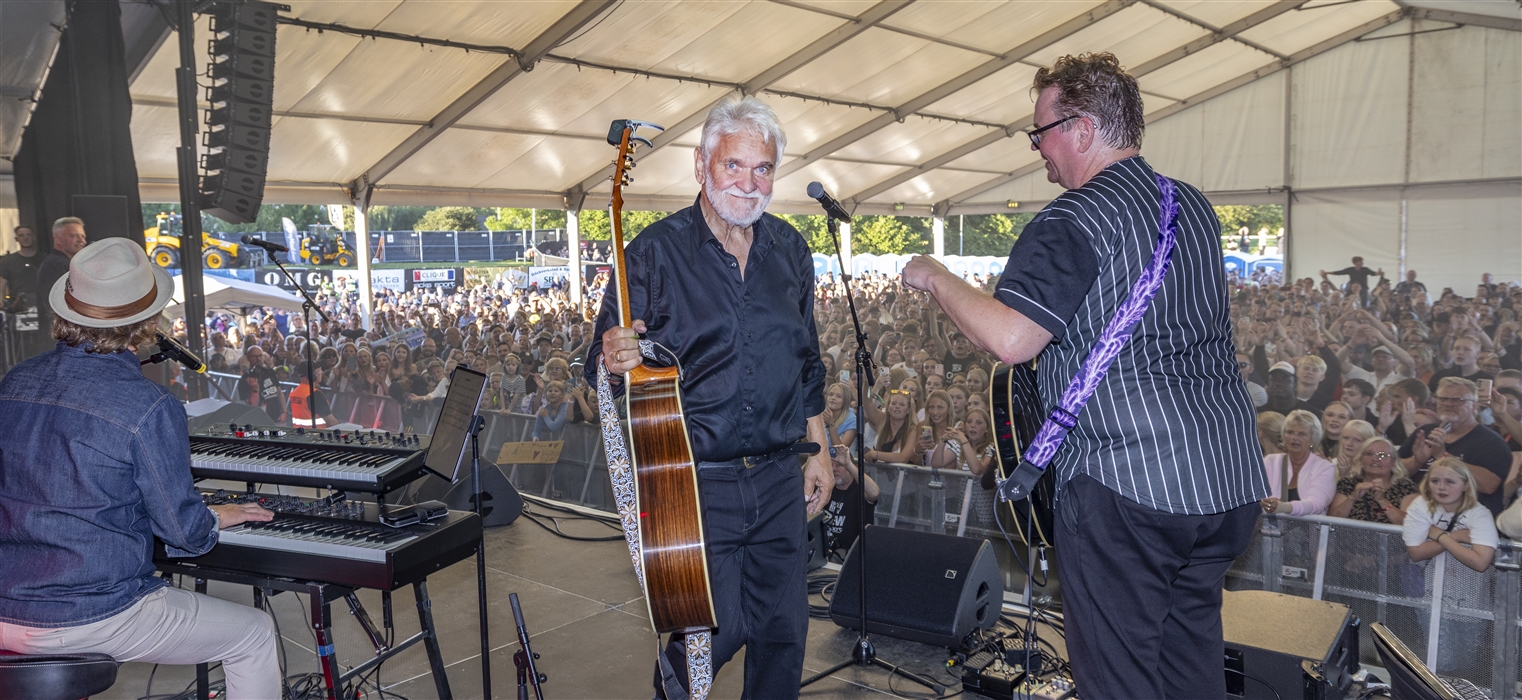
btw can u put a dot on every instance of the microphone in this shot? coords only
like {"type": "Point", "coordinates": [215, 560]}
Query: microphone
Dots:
{"type": "Point", "coordinates": [832, 208]}
{"type": "Point", "coordinates": [181, 354]}
{"type": "Point", "coordinates": [266, 245]}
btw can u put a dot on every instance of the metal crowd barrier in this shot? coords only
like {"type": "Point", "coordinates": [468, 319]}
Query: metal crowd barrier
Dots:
{"type": "Point", "coordinates": [1474, 630]}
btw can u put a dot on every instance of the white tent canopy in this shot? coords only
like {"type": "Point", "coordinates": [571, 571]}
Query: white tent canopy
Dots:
{"type": "Point", "coordinates": [896, 106]}
{"type": "Point", "coordinates": [225, 294]}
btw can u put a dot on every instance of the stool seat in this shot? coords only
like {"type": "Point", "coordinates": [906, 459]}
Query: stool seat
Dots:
{"type": "Point", "coordinates": [55, 676]}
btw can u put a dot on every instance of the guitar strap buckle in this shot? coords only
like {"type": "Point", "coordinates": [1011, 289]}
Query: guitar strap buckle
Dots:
{"type": "Point", "coordinates": [1061, 417]}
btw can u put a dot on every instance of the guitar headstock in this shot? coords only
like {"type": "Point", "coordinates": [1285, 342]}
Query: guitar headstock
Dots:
{"type": "Point", "coordinates": [623, 133]}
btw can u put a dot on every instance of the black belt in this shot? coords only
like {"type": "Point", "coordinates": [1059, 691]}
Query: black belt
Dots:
{"type": "Point", "coordinates": [751, 462]}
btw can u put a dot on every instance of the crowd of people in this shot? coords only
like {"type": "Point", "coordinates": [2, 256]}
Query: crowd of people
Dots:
{"type": "Point", "coordinates": [1393, 404]}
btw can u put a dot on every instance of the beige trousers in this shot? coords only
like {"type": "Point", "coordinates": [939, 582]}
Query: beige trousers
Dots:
{"type": "Point", "coordinates": [172, 626]}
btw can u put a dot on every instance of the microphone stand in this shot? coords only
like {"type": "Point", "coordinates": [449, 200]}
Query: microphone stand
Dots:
{"type": "Point", "coordinates": [863, 654]}
{"type": "Point", "coordinates": [307, 305]}
{"type": "Point", "coordinates": [476, 424]}
{"type": "Point", "coordinates": [528, 671]}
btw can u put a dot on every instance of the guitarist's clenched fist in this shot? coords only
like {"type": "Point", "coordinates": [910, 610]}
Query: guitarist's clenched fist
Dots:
{"type": "Point", "coordinates": [620, 347]}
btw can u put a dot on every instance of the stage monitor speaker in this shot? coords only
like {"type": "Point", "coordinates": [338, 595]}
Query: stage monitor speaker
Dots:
{"type": "Point", "coordinates": [924, 587]}
{"type": "Point", "coordinates": [1283, 646]}
{"type": "Point", "coordinates": [818, 554]}
{"type": "Point", "coordinates": [500, 502]}
{"type": "Point", "coordinates": [205, 413]}
{"type": "Point", "coordinates": [105, 215]}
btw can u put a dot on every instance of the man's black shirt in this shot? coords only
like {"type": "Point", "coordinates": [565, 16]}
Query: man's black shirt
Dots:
{"type": "Point", "coordinates": [52, 267]}
{"type": "Point", "coordinates": [20, 273]}
{"type": "Point", "coordinates": [748, 348]}
{"type": "Point", "coordinates": [1479, 448]}
{"type": "Point", "coordinates": [1356, 275]}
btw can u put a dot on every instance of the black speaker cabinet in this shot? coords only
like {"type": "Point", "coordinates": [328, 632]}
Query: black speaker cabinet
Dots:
{"type": "Point", "coordinates": [817, 554]}
{"type": "Point", "coordinates": [1282, 646]}
{"type": "Point", "coordinates": [105, 216]}
{"type": "Point", "coordinates": [921, 586]}
{"type": "Point", "coordinates": [206, 413]}
{"type": "Point", "coordinates": [500, 502]}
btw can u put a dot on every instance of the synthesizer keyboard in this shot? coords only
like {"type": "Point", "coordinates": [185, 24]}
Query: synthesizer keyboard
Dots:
{"type": "Point", "coordinates": [360, 460]}
{"type": "Point", "coordinates": [343, 543]}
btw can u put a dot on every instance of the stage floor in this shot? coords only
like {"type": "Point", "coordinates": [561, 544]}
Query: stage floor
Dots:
{"type": "Point", "coordinates": [585, 616]}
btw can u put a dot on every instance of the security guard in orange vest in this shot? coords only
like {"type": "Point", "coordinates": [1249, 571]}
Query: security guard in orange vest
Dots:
{"type": "Point", "coordinates": [302, 395]}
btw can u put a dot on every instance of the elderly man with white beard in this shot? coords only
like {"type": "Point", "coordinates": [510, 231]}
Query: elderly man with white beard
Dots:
{"type": "Point", "coordinates": [729, 290]}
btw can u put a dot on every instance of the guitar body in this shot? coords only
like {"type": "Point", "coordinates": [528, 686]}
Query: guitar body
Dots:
{"type": "Point", "coordinates": [672, 544]}
{"type": "Point", "coordinates": [1015, 405]}
{"type": "Point", "coordinates": [673, 553]}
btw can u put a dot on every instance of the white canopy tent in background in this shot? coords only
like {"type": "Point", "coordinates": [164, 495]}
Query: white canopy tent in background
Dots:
{"type": "Point", "coordinates": [236, 296]}
{"type": "Point", "coordinates": [1353, 112]}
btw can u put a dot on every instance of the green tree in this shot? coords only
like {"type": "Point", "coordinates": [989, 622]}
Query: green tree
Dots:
{"type": "Point", "coordinates": [449, 219]}
{"type": "Point", "coordinates": [595, 226]}
{"type": "Point", "coordinates": [512, 219]}
{"type": "Point", "coordinates": [885, 235]}
{"type": "Point", "coordinates": [403, 218]}
{"type": "Point", "coordinates": [984, 234]}
{"type": "Point", "coordinates": [812, 227]}
{"type": "Point", "coordinates": [1235, 217]}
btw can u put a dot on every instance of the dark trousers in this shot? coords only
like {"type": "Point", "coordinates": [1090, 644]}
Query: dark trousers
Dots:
{"type": "Point", "coordinates": [755, 524]}
{"type": "Point", "coordinates": [1141, 593]}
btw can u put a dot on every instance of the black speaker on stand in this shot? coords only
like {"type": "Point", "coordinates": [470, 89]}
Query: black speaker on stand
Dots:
{"type": "Point", "coordinates": [926, 587]}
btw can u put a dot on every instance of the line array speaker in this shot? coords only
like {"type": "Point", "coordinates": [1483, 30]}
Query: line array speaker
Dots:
{"type": "Point", "coordinates": [242, 92]}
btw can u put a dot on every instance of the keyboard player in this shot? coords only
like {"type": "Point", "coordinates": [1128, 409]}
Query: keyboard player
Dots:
{"type": "Point", "coordinates": [94, 463]}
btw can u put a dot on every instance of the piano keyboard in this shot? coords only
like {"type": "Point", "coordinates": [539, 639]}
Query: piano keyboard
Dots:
{"type": "Point", "coordinates": [341, 543]}
{"type": "Point", "coordinates": [339, 540]}
{"type": "Point", "coordinates": [355, 461]}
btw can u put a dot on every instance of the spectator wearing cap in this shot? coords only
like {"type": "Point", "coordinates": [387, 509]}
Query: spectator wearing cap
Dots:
{"type": "Point", "coordinates": [1386, 361]}
{"type": "Point", "coordinates": [1281, 391]}
{"type": "Point", "coordinates": [1300, 481]}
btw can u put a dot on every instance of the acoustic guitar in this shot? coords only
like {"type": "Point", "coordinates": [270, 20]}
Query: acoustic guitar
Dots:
{"type": "Point", "coordinates": [672, 544]}
{"type": "Point", "coordinates": [1015, 405]}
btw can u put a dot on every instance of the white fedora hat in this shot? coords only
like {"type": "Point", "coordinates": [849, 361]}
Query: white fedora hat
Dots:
{"type": "Point", "coordinates": [110, 283]}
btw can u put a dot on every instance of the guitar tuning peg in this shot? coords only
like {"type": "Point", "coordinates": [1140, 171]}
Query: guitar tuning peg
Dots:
{"type": "Point", "coordinates": [629, 162]}
{"type": "Point", "coordinates": [628, 179]}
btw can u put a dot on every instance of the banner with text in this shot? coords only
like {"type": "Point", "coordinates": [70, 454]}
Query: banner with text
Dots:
{"type": "Point", "coordinates": [964, 266]}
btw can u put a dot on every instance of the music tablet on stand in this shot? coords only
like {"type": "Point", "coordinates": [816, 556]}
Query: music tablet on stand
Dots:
{"type": "Point", "coordinates": [451, 433]}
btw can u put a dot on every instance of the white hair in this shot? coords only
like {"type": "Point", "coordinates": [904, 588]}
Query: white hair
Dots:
{"type": "Point", "coordinates": [733, 115]}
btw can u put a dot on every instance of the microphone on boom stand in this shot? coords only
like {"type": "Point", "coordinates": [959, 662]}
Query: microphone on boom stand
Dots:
{"type": "Point", "coordinates": [863, 653]}
{"type": "Point", "coordinates": [171, 350]}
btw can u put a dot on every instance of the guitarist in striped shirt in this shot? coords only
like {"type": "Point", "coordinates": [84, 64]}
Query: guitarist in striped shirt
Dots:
{"type": "Point", "coordinates": [1158, 481]}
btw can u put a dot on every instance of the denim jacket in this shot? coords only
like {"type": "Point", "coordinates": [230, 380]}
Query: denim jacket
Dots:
{"type": "Point", "coordinates": [94, 462]}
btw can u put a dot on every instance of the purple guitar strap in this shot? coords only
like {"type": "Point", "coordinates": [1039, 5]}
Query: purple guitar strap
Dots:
{"type": "Point", "coordinates": [1117, 332]}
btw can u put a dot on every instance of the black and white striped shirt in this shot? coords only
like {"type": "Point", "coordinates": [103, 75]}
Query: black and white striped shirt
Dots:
{"type": "Point", "coordinates": [1171, 426]}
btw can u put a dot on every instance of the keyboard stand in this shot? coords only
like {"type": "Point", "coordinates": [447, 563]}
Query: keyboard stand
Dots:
{"type": "Point", "coordinates": [322, 596]}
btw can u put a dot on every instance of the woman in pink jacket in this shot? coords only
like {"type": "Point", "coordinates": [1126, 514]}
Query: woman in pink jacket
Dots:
{"type": "Point", "coordinates": [1300, 482]}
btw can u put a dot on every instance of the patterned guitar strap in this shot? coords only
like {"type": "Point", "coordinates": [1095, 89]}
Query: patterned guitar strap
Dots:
{"type": "Point", "coordinates": [621, 472]}
{"type": "Point", "coordinates": [1112, 340]}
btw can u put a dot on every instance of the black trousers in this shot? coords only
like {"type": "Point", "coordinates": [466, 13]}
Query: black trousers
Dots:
{"type": "Point", "coordinates": [755, 523]}
{"type": "Point", "coordinates": [1141, 593]}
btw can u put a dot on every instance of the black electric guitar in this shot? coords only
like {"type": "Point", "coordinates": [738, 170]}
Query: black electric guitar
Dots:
{"type": "Point", "coordinates": [1015, 405]}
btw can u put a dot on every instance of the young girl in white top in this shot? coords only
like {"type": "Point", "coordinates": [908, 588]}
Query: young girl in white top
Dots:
{"type": "Point", "coordinates": [1448, 517]}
